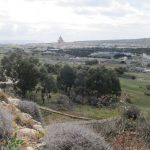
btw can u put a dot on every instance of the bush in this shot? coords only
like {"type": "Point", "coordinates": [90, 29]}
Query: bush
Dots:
{"type": "Point", "coordinates": [32, 109]}
{"type": "Point", "coordinates": [6, 120]}
{"type": "Point", "coordinates": [107, 128]}
{"type": "Point", "coordinates": [121, 70]}
{"type": "Point", "coordinates": [131, 112]}
{"type": "Point", "coordinates": [148, 87]}
{"type": "Point", "coordinates": [128, 76]}
{"type": "Point", "coordinates": [73, 137]}
{"type": "Point", "coordinates": [143, 128]}
{"type": "Point", "coordinates": [103, 101]}
{"type": "Point", "coordinates": [93, 101]}
{"type": "Point", "coordinates": [147, 93]}
{"type": "Point", "coordinates": [91, 62]}
{"type": "Point", "coordinates": [81, 99]}
{"type": "Point", "coordinates": [128, 100]}
{"type": "Point", "coordinates": [64, 103]}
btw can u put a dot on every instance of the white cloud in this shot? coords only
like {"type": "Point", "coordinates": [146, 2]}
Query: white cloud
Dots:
{"type": "Point", "coordinates": [74, 19]}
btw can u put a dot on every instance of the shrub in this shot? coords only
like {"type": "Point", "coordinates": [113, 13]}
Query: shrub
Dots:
{"type": "Point", "coordinates": [128, 76]}
{"type": "Point", "coordinates": [32, 109]}
{"type": "Point", "coordinates": [128, 100]}
{"type": "Point", "coordinates": [81, 99]}
{"type": "Point", "coordinates": [133, 77]}
{"type": "Point", "coordinates": [6, 120]}
{"type": "Point", "coordinates": [131, 112]}
{"type": "Point", "coordinates": [120, 70]}
{"type": "Point", "coordinates": [147, 93]}
{"type": "Point", "coordinates": [64, 103]}
{"type": "Point", "coordinates": [143, 128]}
{"type": "Point", "coordinates": [73, 137]}
{"type": "Point", "coordinates": [107, 128]}
{"type": "Point", "coordinates": [148, 87]}
{"type": "Point", "coordinates": [93, 101]}
{"type": "Point", "coordinates": [13, 144]}
{"type": "Point", "coordinates": [91, 62]}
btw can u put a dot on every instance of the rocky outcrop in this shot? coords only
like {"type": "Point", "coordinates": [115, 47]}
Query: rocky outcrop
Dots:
{"type": "Point", "coordinates": [25, 127]}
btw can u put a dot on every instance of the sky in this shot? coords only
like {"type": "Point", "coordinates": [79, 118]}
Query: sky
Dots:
{"type": "Point", "coordinates": [74, 20]}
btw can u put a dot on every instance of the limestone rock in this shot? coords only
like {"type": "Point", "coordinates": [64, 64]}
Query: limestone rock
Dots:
{"type": "Point", "coordinates": [13, 101]}
{"type": "Point", "coordinates": [24, 133]}
{"type": "Point", "coordinates": [38, 128]}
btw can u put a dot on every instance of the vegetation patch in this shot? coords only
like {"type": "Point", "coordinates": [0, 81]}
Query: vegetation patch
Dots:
{"type": "Point", "coordinates": [70, 136]}
{"type": "Point", "coordinates": [6, 120]}
{"type": "Point", "coordinates": [32, 109]}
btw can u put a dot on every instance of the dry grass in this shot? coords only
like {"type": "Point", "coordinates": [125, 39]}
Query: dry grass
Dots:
{"type": "Point", "coordinates": [32, 109]}
{"type": "Point", "coordinates": [67, 136]}
{"type": "Point", "coordinates": [6, 120]}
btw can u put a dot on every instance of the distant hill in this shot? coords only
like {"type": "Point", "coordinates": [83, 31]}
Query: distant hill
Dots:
{"type": "Point", "coordinates": [127, 43]}
{"type": "Point", "coordinates": [124, 43]}
{"type": "Point", "coordinates": [17, 41]}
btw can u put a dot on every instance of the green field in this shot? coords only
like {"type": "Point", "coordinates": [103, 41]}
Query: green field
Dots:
{"type": "Point", "coordinates": [136, 88]}
{"type": "Point", "coordinates": [98, 113]}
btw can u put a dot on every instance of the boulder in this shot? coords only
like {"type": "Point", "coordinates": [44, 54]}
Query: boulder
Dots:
{"type": "Point", "coordinates": [13, 101]}
{"type": "Point", "coordinates": [27, 133]}
{"type": "Point", "coordinates": [38, 128]}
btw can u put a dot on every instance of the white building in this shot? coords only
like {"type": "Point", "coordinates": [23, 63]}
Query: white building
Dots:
{"type": "Point", "coordinates": [145, 59]}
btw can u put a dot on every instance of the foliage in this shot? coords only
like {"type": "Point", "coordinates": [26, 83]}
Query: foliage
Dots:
{"type": "Point", "coordinates": [107, 128]}
{"type": "Point", "coordinates": [2, 75]}
{"type": "Point", "coordinates": [91, 62]}
{"type": "Point", "coordinates": [27, 75]}
{"type": "Point", "coordinates": [81, 99]}
{"type": "Point", "coordinates": [54, 69]}
{"type": "Point", "coordinates": [121, 70]}
{"type": "Point", "coordinates": [148, 87]}
{"type": "Point", "coordinates": [64, 103]}
{"type": "Point", "coordinates": [13, 144]}
{"type": "Point", "coordinates": [22, 70]}
{"type": "Point", "coordinates": [47, 82]}
{"type": "Point", "coordinates": [143, 128]}
{"type": "Point", "coordinates": [97, 82]}
{"type": "Point", "coordinates": [6, 127]}
{"type": "Point", "coordinates": [66, 77]}
{"type": "Point", "coordinates": [32, 109]}
{"type": "Point", "coordinates": [71, 137]}
{"type": "Point", "coordinates": [84, 83]}
{"type": "Point", "coordinates": [132, 112]}
{"type": "Point", "coordinates": [147, 93]}
{"type": "Point", "coordinates": [101, 81]}
{"type": "Point", "coordinates": [128, 76]}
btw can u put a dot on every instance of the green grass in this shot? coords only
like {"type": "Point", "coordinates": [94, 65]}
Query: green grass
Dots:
{"type": "Point", "coordinates": [82, 110]}
{"type": "Point", "coordinates": [136, 88]}
{"type": "Point", "coordinates": [97, 113]}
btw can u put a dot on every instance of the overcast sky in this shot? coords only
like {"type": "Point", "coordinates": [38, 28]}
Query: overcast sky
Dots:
{"type": "Point", "coordinates": [45, 20]}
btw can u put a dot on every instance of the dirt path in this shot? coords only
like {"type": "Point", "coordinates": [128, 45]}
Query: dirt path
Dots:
{"type": "Point", "coordinates": [64, 114]}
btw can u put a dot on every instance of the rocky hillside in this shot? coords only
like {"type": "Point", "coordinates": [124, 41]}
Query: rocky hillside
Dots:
{"type": "Point", "coordinates": [23, 126]}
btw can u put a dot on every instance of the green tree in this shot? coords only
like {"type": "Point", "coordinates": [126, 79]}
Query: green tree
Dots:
{"type": "Point", "coordinates": [22, 70]}
{"type": "Point", "coordinates": [97, 82]}
{"type": "Point", "coordinates": [66, 78]}
{"type": "Point", "coordinates": [101, 81]}
{"type": "Point", "coordinates": [28, 75]}
{"type": "Point", "coordinates": [47, 82]}
{"type": "Point", "coordinates": [120, 70]}
{"type": "Point", "coordinates": [2, 75]}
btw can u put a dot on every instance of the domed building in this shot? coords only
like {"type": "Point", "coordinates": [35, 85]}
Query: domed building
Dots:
{"type": "Point", "coordinates": [60, 40]}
